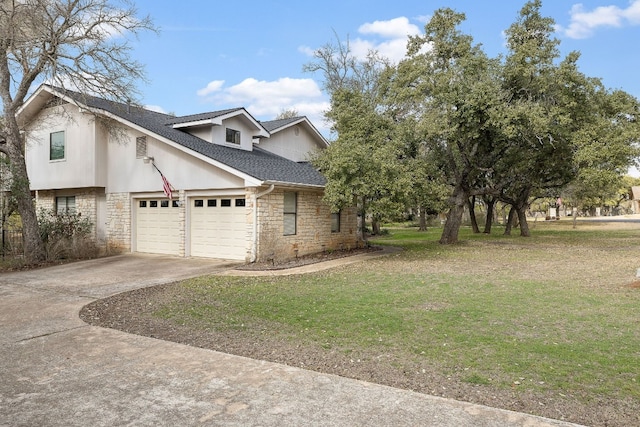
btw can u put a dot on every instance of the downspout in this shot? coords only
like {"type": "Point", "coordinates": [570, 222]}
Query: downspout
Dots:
{"type": "Point", "coordinates": [254, 249]}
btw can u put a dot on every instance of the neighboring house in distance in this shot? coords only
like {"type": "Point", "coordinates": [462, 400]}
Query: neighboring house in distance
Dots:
{"type": "Point", "coordinates": [242, 188]}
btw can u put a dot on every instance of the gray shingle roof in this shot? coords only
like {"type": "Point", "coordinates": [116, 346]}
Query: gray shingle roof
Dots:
{"type": "Point", "coordinates": [260, 164]}
{"type": "Point", "coordinates": [201, 116]}
{"type": "Point", "coordinates": [272, 125]}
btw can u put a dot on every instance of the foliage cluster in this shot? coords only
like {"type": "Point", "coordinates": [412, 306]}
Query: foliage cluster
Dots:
{"type": "Point", "coordinates": [448, 124]}
{"type": "Point", "coordinates": [66, 236]}
{"type": "Point", "coordinates": [79, 45]}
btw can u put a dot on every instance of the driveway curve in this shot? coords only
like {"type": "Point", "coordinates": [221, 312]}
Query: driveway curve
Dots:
{"type": "Point", "coordinates": [56, 370]}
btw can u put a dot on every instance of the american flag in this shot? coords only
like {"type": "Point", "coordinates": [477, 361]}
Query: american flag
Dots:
{"type": "Point", "coordinates": [166, 187]}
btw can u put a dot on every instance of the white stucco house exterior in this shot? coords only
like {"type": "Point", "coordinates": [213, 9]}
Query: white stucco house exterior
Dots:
{"type": "Point", "coordinates": [241, 189]}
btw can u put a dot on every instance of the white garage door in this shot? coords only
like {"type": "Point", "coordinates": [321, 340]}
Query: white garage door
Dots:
{"type": "Point", "coordinates": [219, 227]}
{"type": "Point", "coordinates": [158, 226]}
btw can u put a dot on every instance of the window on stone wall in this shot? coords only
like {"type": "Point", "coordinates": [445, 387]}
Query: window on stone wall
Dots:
{"type": "Point", "coordinates": [290, 213]}
{"type": "Point", "coordinates": [335, 222]}
{"type": "Point", "coordinates": [65, 205]}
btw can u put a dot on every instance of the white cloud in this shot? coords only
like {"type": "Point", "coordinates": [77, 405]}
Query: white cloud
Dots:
{"type": "Point", "coordinates": [212, 87]}
{"type": "Point", "coordinates": [266, 99]}
{"type": "Point", "coordinates": [389, 38]}
{"type": "Point", "coordinates": [306, 50]}
{"type": "Point", "coordinates": [392, 29]}
{"type": "Point", "coordinates": [584, 23]}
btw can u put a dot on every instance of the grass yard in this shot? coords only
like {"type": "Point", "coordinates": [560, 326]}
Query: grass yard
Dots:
{"type": "Point", "coordinates": [548, 325]}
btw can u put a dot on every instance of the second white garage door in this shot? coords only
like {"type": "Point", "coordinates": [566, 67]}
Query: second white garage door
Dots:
{"type": "Point", "coordinates": [219, 227]}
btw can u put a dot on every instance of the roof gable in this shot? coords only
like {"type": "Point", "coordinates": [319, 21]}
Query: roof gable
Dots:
{"type": "Point", "coordinates": [216, 118]}
{"type": "Point", "coordinates": [278, 125]}
{"type": "Point", "coordinates": [259, 164]}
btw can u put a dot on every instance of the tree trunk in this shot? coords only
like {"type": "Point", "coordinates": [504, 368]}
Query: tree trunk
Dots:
{"type": "Point", "coordinates": [375, 226]}
{"type": "Point", "coordinates": [361, 220]}
{"type": "Point", "coordinates": [522, 218]}
{"type": "Point", "coordinates": [423, 218]}
{"type": "Point", "coordinates": [471, 204]}
{"type": "Point", "coordinates": [491, 203]}
{"type": "Point", "coordinates": [510, 221]}
{"type": "Point", "coordinates": [454, 218]}
{"type": "Point", "coordinates": [33, 246]}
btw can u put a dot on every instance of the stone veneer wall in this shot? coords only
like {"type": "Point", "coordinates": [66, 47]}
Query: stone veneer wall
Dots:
{"type": "Point", "coordinates": [313, 230]}
{"type": "Point", "coordinates": [45, 200]}
{"type": "Point", "coordinates": [249, 195]}
{"type": "Point", "coordinates": [119, 222]}
{"type": "Point", "coordinates": [87, 206]}
{"type": "Point", "coordinates": [182, 218]}
{"type": "Point", "coordinates": [86, 203]}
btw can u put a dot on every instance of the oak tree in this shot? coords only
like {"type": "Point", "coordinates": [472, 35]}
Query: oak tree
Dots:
{"type": "Point", "coordinates": [77, 44]}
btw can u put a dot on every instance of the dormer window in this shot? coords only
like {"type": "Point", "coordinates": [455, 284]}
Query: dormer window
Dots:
{"type": "Point", "coordinates": [233, 136]}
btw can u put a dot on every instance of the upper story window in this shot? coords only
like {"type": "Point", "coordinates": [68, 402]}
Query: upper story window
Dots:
{"type": "Point", "coordinates": [141, 147]}
{"type": "Point", "coordinates": [56, 146]}
{"type": "Point", "coordinates": [233, 136]}
{"type": "Point", "coordinates": [290, 213]}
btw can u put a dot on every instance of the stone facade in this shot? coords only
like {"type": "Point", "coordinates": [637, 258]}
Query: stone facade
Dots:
{"type": "Point", "coordinates": [313, 227]}
{"type": "Point", "coordinates": [45, 200]}
{"type": "Point", "coordinates": [313, 222]}
{"type": "Point", "coordinates": [182, 219]}
{"type": "Point", "coordinates": [118, 222]}
{"type": "Point", "coordinates": [86, 203]}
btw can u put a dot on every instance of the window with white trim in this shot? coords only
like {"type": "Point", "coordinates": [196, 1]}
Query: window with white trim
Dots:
{"type": "Point", "coordinates": [56, 146]}
{"type": "Point", "coordinates": [290, 213]}
{"type": "Point", "coordinates": [233, 136]}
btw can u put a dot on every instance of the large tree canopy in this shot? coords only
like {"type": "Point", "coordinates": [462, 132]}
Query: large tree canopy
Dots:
{"type": "Point", "coordinates": [510, 129]}
{"type": "Point", "coordinates": [361, 165]}
{"type": "Point", "coordinates": [77, 44]}
{"type": "Point", "coordinates": [450, 89]}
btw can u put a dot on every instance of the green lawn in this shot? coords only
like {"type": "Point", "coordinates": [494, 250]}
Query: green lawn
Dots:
{"type": "Point", "coordinates": [553, 313]}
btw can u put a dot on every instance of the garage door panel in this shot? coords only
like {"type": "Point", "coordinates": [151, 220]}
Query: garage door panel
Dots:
{"type": "Point", "coordinates": [218, 230]}
{"type": "Point", "coordinates": [157, 227]}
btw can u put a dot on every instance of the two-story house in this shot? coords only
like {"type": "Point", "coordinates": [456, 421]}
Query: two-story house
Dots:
{"type": "Point", "coordinates": [233, 187]}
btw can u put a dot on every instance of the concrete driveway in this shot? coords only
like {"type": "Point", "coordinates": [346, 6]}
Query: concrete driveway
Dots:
{"type": "Point", "coordinates": [55, 370]}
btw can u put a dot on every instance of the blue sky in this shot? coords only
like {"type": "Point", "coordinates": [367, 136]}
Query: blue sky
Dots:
{"type": "Point", "coordinates": [212, 55]}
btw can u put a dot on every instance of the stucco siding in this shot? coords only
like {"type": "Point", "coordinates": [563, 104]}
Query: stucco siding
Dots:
{"type": "Point", "coordinates": [293, 143]}
{"type": "Point", "coordinates": [78, 167]}
{"type": "Point", "coordinates": [182, 170]}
